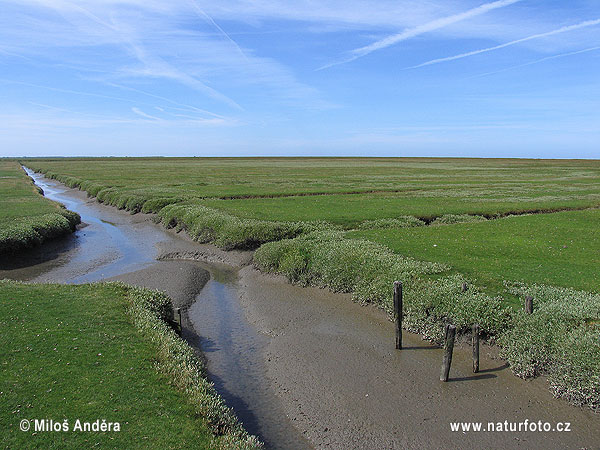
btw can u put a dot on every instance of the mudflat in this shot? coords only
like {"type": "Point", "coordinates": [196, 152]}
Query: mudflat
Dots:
{"type": "Point", "coordinates": [333, 364]}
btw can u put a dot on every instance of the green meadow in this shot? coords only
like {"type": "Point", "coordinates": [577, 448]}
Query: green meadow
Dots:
{"type": "Point", "coordinates": [561, 249]}
{"type": "Point", "coordinates": [504, 228]}
{"type": "Point", "coordinates": [26, 217]}
{"type": "Point", "coordinates": [102, 352]}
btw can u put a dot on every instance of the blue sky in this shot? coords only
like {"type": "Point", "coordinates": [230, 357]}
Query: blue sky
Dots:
{"type": "Point", "coordinates": [304, 77]}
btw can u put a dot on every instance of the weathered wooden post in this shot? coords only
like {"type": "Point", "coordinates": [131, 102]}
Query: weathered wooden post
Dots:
{"type": "Point", "coordinates": [529, 304]}
{"type": "Point", "coordinates": [450, 333]}
{"type": "Point", "coordinates": [398, 312]}
{"type": "Point", "coordinates": [178, 320]}
{"type": "Point", "coordinates": [475, 340]}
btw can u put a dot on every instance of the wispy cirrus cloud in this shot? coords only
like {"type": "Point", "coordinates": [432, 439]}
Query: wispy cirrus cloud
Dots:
{"type": "Point", "coordinates": [421, 29]}
{"type": "Point", "coordinates": [537, 61]}
{"type": "Point", "coordinates": [134, 41]}
{"type": "Point", "coordinates": [141, 113]}
{"type": "Point", "coordinates": [565, 29]}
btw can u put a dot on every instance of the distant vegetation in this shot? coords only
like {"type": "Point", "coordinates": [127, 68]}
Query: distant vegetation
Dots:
{"type": "Point", "coordinates": [104, 351]}
{"type": "Point", "coordinates": [357, 224]}
{"type": "Point", "coordinates": [26, 217]}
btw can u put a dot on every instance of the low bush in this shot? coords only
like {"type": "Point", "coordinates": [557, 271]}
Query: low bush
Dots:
{"type": "Point", "coordinates": [368, 270]}
{"type": "Point", "coordinates": [560, 339]}
{"type": "Point", "coordinates": [229, 232]}
{"type": "Point", "coordinates": [398, 222]}
{"type": "Point", "coordinates": [33, 230]}
{"type": "Point", "coordinates": [448, 219]}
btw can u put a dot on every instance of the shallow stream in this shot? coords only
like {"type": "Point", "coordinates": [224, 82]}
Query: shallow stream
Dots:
{"type": "Point", "coordinates": [111, 244]}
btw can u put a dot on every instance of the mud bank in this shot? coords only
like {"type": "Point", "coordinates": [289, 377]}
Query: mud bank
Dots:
{"type": "Point", "coordinates": [333, 364]}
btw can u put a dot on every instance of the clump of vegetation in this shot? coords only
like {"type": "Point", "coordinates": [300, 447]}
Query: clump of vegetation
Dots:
{"type": "Point", "coordinates": [560, 339]}
{"type": "Point", "coordinates": [448, 219]}
{"type": "Point", "coordinates": [104, 351]}
{"type": "Point", "coordinates": [29, 231]}
{"type": "Point", "coordinates": [397, 222]}
{"type": "Point", "coordinates": [26, 217]}
{"type": "Point", "coordinates": [368, 270]}
{"type": "Point", "coordinates": [229, 232]}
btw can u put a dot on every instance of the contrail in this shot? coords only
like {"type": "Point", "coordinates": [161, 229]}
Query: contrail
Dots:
{"type": "Point", "coordinates": [216, 25]}
{"type": "Point", "coordinates": [587, 23]}
{"type": "Point", "coordinates": [421, 29]}
{"type": "Point", "coordinates": [139, 112]}
{"type": "Point", "coordinates": [561, 55]}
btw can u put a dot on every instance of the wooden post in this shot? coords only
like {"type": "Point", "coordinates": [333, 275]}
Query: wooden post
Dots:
{"type": "Point", "coordinates": [475, 340]}
{"type": "Point", "coordinates": [450, 333]}
{"type": "Point", "coordinates": [178, 319]}
{"type": "Point", "coordinates": [529, 304]}
{"type": "Point", "coordinates": [398, 312]}
{"type": "Point", "coordinates": [464, 287]}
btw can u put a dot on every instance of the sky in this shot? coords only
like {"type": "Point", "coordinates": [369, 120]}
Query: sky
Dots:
{"type": "Point", "coordinates": [505, 78]}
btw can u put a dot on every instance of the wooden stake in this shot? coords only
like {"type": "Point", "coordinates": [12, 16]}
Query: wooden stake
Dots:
{"type": "Point", "coordinates": [398, 312]}
{"type": "Point", "coordinates": [529, 304]}
{"type": "Point", "coordinates": [450, 333]}
{"type": "Point", "coordinates": [475, 340]}
{"type": "Point", "coordinates": [178, 319]}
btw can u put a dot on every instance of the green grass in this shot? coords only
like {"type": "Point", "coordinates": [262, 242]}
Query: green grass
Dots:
{"type": "Point", "coordinates": [26, 217]}
{"type": "Point", "coordinates": [350, 210]}
{"type": "Point", "coordinates": [18, 195]}
{"type": "Point", "coordinates": [230, 177]}
{"type": "Point", "coordinates": [561, 249]}
{"type": "Point", "coordinates": [73, 352]}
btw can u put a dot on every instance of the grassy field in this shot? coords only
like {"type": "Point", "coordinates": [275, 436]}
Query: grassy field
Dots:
{"type": "Point", "coordinates": [350, 210]}
{"type": "Point", "coordinates": [354, 225]}
{"type": "Point", "coordinates": [26, 217]}
{"type": "Point", "coordinates": [421, 186]}
{"type": "Point", "coordinates": [561, 249]}
{"type": "Point", "coordinates": [84, 352]}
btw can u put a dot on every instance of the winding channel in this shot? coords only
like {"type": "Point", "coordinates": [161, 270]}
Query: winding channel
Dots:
{"type": "Point", "coordinates": [114, 245]}
{"type": "Point", "coordinates": [303, 367]}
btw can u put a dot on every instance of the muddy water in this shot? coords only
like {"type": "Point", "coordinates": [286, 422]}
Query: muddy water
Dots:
{"type": "Point", "coordinates": [108, 243]}
{"type": "Point", "coordinates": [115, 245]}
{"type": "Point", "coordinates": [235, 350]}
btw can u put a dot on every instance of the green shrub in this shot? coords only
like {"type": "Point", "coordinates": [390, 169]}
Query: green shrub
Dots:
{"type": "Point", "coordinates": [576, 374]}
{"type": "Point", "coordinates": [368, 270]}
{"type": "Point", "coordinates": [154, 205]}
{"type": "Point", "coordinates": [533, 344]}
{"type": "Point", "coordinates": [448, 219]}
{"type": "Point", "coordinates": [398, 222]}
{"type": "Point", "coordinates": [29, 231]}
{"type": "Point", "coordinates": [229, 232]}
{"type": "Point", "coordinates": [561, 339]}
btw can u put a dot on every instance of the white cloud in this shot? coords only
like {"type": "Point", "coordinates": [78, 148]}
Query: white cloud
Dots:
{"type": "Point", "coordinates": [565, 29]}
{"type": "Point", "coordinates": [422, 29]}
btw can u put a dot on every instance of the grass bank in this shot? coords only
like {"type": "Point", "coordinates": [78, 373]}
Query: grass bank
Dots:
{"type": "Point", "coordinates": [26, 217]}
{"type": "Point", "coordinates": [104, 351]}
